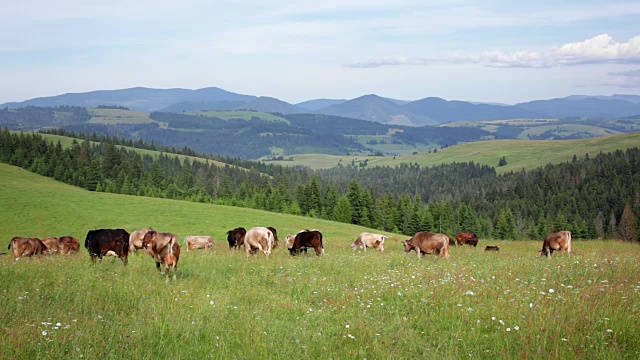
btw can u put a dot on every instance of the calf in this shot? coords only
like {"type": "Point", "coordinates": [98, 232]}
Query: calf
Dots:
{"type": "Point", "coordinates": [307, 239]}
{"type": "Point", "coordinates": [468, 238]}
{"type": "Point", "coordinates": [164, 249]}
{"type": "Point", "coordinates": [25, 247]}
{"type": "Point", "coordinates": [235, 237]}
{"type": "Point", "coordinates": [560, 240]}
{"type": "Point", "coordinates": [428, 243]}
{"type": "Point", "coordinates": [101, 241]}
{"type": "Point", "coordinates": [258, 239]}
{"type": "Point", "coordinates": [198, 242]}
{"type": "Point", "coordinates": [492, 248]}
{"type": "Point", "coordinates": [371, 240]}
{"type": "Point", "coordinates": [135, 239]}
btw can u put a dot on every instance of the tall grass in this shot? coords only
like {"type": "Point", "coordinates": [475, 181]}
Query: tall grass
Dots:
{"type": "Point", "coordinates": [512, 304]}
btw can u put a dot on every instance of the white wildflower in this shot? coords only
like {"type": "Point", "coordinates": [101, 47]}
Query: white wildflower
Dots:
{"type": "Point", "coordinates": [516, 328]}
{"type": "Point", "coordinates": [44, 332]}
{"type": "Point", "coordinates": [508, 329]}
{"type": "Point", "coordinates": [347, 326]}
{"type": "Point", "coordinates": [551, 291]}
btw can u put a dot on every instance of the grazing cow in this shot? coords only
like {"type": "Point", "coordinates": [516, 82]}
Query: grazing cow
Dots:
{"type": "Point", "coordinates": [275, 236]}
{"type": "Point", "coordinates": [468, 238]}
{"type": "Point", "coordinates": [68, 245]}
{"type": "Point", "coordinates": [198, 242]}
{"type": "Point", "coordinates": [560, 240]}
{"type": "Point", "coordinates": [25, 247]}
{"type": "Point", "coordinates": [492, 248]}
{"type": "Point", "coordinates": [307, 239]}
{"type": "Point", "coordinates": [52, 244]}
{"type": "Point", "coordinates": [164, 249]}
{"type": "Point", "coordinates": [289, 242]}
{"type": "Point", "coordinates": [99, 242]}
{"type": "Point", "coordinates": [235, 237]}
{"type": "Point", "coordinates": [258, 239]}
{"type": "Point", "coordinates": [428, 243]}
{"type": "Point", "coordinates": [371, 240]}
{"type": "Point", "coordinates": [135, 239]}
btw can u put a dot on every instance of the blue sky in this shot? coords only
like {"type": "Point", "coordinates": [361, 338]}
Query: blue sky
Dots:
{"type": "Point", "coordinates": [492, 51]}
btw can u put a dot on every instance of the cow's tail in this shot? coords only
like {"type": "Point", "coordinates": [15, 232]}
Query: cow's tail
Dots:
{"type": "Point", "coordinates": [171, 258]}
{"type": "Point", "coordinates": [10, 242]}
{"type": "Point", "coordinates": [270, 241]}
{"type": "Point", "coordinates": [568, 241]}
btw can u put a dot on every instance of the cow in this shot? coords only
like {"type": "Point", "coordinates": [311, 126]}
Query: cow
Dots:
{"type": "Point", "coordinates": [258, 239]}
{"type": "Point", "coordinates": [164, 249]}
{"type": "Point", "coordinates": [492, 248]}
{"type": "Point", "coordinates": [468, 238]}
{"type": "Point", "coordinates": [198, 242]}
{"type": "Point", "coordinates": [68, 245]}
{"type": "Point", "coordinates": [235, 237]}
{"type": "Point", "coordinates": [307, 239]}
{"type": "Point", "coordinates": [275, 236]}
{"type": "Point", "coordinates": [135, 239]}
{"type": "Point", "coordinates": [25, 247]}
{"type": "Point", "coordinates": [52, 244]}
{"type": "Point", "coordinates": [428, 243]}
{"type": "Point", "coordinates": [289, 242]}
{"type": "Point", "coordinates": [560, 240]}
{"type": "Point", "coordinates": [101, 241]}
{"type": "Point", "coordinates": [371, 240]}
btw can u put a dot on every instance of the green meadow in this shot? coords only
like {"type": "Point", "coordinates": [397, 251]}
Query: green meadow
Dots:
{"type": "Point", "coordinates": [344, 305]}
{"type": "Point", "coordinates": [520, 154]}
{"type": "Point", "coordinates": [239, 114]}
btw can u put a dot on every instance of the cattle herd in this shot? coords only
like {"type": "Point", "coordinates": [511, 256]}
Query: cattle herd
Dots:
{"type": "Point", "coordinates": [164, 247]}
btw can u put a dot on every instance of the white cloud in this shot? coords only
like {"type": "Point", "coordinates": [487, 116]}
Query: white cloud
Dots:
{"type": "Point", "coordinates": [600, 49]}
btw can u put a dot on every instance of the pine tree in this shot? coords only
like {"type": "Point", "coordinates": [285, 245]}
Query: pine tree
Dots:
{"type": "Point", "coordinates": [342, 211]}
{"type": "Point", "coordinates": [612, 229]}
{"type": "Point", "coordinates": [627, 230]}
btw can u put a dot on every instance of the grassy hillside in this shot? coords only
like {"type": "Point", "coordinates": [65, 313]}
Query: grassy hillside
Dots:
{"type": "Point", "coordinates": [239, 114]}
{"type": "Point", "coordinates": [512, 304]}
{"type": "Point", "coordinates": [118, 116]}
{"type": "Point", "coordinates": [520, 154]}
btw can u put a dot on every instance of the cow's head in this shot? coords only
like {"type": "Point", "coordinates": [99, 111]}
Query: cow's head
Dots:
{"type": "Point", "coordinates": [407, 246]}
{"type": "Point", "coordinates": [147, 239]}
{"type": "Point", "coordinates": [357, 245]}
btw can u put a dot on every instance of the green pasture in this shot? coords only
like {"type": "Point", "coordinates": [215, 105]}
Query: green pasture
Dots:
{"type": "Point", "coordinates": [344, 305]}
{"type": "Point", "coordinates": [118, 116]}
{"type": "Point", "coordinates": [239, 114]}
{"type": "Point", "coordinates": [567, 130]}
{"type": "Point", "coordinates": [520, 154]}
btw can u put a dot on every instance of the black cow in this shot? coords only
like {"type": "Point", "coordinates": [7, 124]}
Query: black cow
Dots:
{"type": "Point", "coordinates": [275, 236]}
{"type": "Point", "coordinates": [307, 239]}
{"type": "Point", "coordinates": [101, 241]}
{"type": "Point", "coordinates": [235, 237]}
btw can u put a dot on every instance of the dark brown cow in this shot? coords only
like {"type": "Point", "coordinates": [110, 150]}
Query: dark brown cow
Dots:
{"type": "Point", "coordinates": [468, 238]}
{"type": "Point", "coordinates": [52, 244]}
{"type": "Point", "coordinates": [428, 243]}
{"type": "Point", "coordinates": [164, 249]}
{"type": "Point", "coordinates": [307, 239]}
{"type": "Point", "coordinates": [492, 248]}
{"type": "Point", "coordinates": [25, 247]}
{"type": "Point", "coordinates": [560, 240]}
{"type": "Point", "coordinates": [101, 241]}
{"type": "Point", "coordinates": [68, 245]}
{"type": "Point", "coordinates": [235, 237]}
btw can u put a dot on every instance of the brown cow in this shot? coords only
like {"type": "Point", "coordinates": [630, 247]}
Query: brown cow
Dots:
{"type": "Point", "coordinates": [492, 248]}
{"type": "Point", "coordinates": [52, 244]}
{"type": "Point", "coordinates": [428, 243]}
{"type": "Point", "coordinates": [560, 240]}
{"type": "Point", "coordinates": [468, 238]}
{"type": "Point", "coordinates": [235, 237]}
{"type": "Point", "coordinates": [258, 239]}
{"type": "Point", "coordinates": [371, 240]}
{"type": "Point", "coordinates": [307, 239]}
{"type": "Point", "coordinates": [25, 247]}
{"type": "Point", "coordinates": [164, 249]}
{"type": "Point", "coordinates": [68, 245]}
{"type": "Point", "coordinates": [135, 239]}
{"type": "Point", "coordinates": [198, 242]}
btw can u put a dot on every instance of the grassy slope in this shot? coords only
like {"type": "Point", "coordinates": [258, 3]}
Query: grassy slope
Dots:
{"type": "Point", "coordinates": [118, 116]}
{"type": "Point", "coordinates": [343, 305]}
{"type": "Point", "coordinates": [520, 154]}
{"type": "Point", "coordinates": [239, 114]}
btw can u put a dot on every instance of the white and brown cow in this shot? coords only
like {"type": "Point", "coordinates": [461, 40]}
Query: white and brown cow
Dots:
{"type": "Point", "coordinates": [198, 242]}
{"type": "Point", "coordinates": [560, 240]}
{"type": "Point", "coordinates": [428, 243]}
{"type": "Point", "coordinates": [258, 239]}
{"type": "Point", "coordinates": [164, 249]}
{"type": "Point", "coordinates": [25, 247]}
{"type": "Point", "coordinates": [371, 240]}
{"type": "Point", "coordinates": [135, 239]}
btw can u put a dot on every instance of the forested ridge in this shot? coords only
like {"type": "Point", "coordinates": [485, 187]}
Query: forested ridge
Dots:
{"type": "Point", "coordinates": [595, 197]}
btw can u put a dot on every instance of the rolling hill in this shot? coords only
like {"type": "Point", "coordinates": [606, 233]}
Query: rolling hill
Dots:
{"type": "Point", "coordinates": [446, 111]}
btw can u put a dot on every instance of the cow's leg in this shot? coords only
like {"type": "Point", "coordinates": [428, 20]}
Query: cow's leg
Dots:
{"type": "Point", "coordinates": [158, 267]}
{"type": "Point", "coordinates": [175, 271]}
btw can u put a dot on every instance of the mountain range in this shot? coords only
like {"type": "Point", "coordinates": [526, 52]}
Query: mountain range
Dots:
{"type": "Point", "coordinates": [427, 111]}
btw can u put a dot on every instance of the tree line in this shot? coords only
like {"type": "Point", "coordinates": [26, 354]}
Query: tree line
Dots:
{"type": "Point", "coordinates": [592, 197]}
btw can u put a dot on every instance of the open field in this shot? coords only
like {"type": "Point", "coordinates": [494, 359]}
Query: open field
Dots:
{"type": "Point", "coordinates": [118, 116]}
{"type": "Point", "coordinates": [239, 114]}
{"type": "Point", "coordinates": [520, 154]}
{"type": "Point", "coordinates": [512, 304]}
